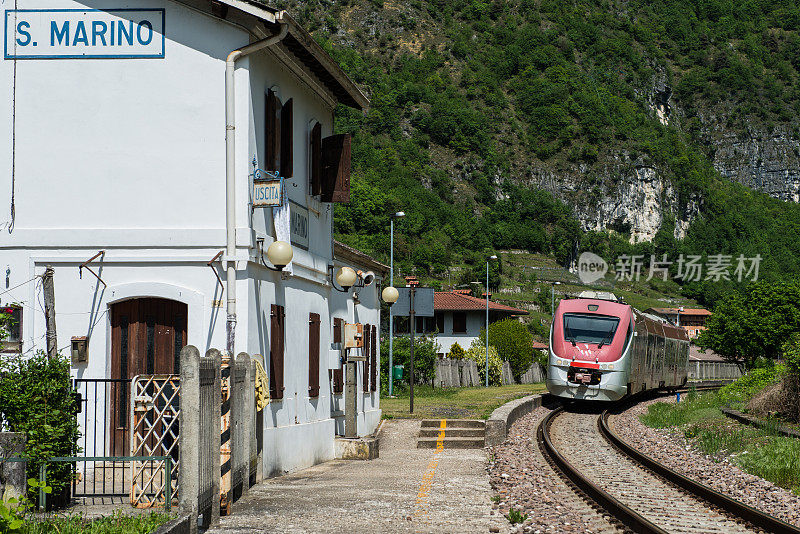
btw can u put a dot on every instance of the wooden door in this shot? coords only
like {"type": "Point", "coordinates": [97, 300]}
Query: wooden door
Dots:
{"type": "Point", "coordinates": [147, 336]}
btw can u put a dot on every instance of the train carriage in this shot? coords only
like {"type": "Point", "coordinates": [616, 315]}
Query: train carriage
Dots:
{"type": "Point", "coordinates": [602, 350]}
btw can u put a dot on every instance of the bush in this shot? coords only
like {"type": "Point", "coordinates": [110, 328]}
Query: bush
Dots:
{"type": "Point", "coordinates": [750, 383]}
{"type": "Point", "coordinates": [456, 352]}
{"type": "Point", "coordinates": [477, 352]}
{"type": "Point", "coordinates": [36, 399]}
{"type": "Point", "coordinates": [513, 342]}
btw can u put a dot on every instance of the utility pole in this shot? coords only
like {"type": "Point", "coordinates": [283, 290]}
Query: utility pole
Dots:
{"type": "Point", "coordinates": [413, 327]}
{"type": "Point", "coordinates": [50, 312]}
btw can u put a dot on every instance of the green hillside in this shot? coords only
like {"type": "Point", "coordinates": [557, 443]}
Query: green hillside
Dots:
{"type": "Point", "coordinates": [467, 96]}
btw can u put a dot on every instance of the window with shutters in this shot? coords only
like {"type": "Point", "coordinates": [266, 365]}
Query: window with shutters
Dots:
{"type": "Point", "coordinates": [272, 138]}
{"type": "Point", "coordinates": [336, 168]}
{"type": "Point", "coordinates": [313, 354]}
{"type": "Point", "coordinates": [278, 124]}
{"type": "Point", "coordinates": [373, 359]}
{"type": "Point", "coordinates": [276, 350]}
{"type": "Point", "coordinates": [13, 342]}
{"type": "Point", "coordinates": [459, 322]}
{"type": "Point", "coordinates": [337, 375]}
{"type": "Point", "coordinates": [316, 159]}
{"type": "Point", "coordinates": [365, 352]}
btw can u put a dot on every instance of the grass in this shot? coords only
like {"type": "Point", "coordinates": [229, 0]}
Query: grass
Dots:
{"type": "Point", "coordinates": [117, 523]}
{"type": "Point", "coordinates": [461, 403]}
{"type": "Point", "coordinates": [759, 451]}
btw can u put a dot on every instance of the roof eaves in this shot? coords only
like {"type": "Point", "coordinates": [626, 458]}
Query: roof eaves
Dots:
{"type": "Point", "coordinates": [346, 252]}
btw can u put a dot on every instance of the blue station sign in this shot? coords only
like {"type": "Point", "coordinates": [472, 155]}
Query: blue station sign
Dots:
{"type": "Point", "coordinates": [83, 33]}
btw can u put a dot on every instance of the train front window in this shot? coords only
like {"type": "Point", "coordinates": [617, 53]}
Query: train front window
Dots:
{"type": "Point", "coordinates": [582, 328]}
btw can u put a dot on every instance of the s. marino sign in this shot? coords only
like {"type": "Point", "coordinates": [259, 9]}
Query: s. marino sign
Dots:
{"type": "Point", "coordinates": [83, 33]}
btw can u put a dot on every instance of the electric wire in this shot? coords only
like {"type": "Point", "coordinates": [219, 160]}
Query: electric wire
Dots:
{"type": "Point", "coordinates": [20, 285]}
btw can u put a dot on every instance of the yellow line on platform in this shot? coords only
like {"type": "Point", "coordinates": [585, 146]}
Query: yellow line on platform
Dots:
{"type": "Point", "coordinates": [422, 504]}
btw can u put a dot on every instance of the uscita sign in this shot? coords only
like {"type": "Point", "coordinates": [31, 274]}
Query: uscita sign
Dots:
{"type": "Point", "coordinates": [266, 193]}
{"type": "Point", "coordinates": [83, 33]}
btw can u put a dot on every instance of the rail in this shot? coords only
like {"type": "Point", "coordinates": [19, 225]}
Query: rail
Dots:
{"type": "Point", "coordinates": [623, 513]}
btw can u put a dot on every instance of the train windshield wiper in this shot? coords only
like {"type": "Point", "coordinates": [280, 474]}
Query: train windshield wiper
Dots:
{"type": "Point", "coordinates": [570, 337]}
{"type": "Point", "coordinates": [609, 335]}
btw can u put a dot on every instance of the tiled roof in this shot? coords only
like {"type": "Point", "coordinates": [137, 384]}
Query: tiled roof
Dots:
{"type": "Point", "coordinates": [452, 301]}
{"type": "Point", "coordinates": [685, 311]}
{"type": "Point", "coordinates": [539, 345]}
{"type": "Point", "coordinates": [708, 355]}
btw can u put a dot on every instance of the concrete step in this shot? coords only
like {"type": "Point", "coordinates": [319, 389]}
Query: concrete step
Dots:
{"type": "Point", "coordinates": [454, 423]}
{"type": "Point", "coordinates": [430, 432]}
{"type": "Point", "coordinates": [451, 443]}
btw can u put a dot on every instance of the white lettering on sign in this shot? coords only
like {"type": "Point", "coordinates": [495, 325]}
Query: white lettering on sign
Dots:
{"type": "Point", "coordinates": [299, 225]}
{"type": "Point", "coordinates": [266, 193]}
{"type": "Point", "coordinates": [84, 33]}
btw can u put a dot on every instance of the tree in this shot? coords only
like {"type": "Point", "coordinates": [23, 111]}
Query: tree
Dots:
{"type": "Point", "coordinates": [456, 352]}
{"type": "Point", "coordinates": [513, 342]}
{"type": "Point", "coordinates": [756, 324]}
{"type": "Point", "coordinates": [425, 350]}
{"type": "Point", "coordinates": [477, 353]}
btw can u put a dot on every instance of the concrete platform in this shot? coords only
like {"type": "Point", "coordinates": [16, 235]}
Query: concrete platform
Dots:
{"type": "Point", "coordinates": [406, 489]}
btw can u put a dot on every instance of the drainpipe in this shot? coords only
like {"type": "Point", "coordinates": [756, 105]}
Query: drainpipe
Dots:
{"type": "Point", "coordinates": [230, 175]}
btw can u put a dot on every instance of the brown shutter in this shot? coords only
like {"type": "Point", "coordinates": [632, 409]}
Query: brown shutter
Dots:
{"type": "Point", "coordinates": [271, 134]}
{"type": "Point", "coordinates": [365, 352]}
{"type": "Point", "coordinates": [287, 135]}
{"type": "Point", "coordinates": [276, 352]}
{"type": "Point", "coordinates": [313, 355]}
{"type": "Point", "coordinates": [316, 159]}
{"type": "Point", "coordinates": [337, 330]}
{"type": "Point", "coordinates": [373, 358]}
{"type": "Point", "coordinates": [337, 375]}
{"type": "Point", "coordinates": [336, 168]}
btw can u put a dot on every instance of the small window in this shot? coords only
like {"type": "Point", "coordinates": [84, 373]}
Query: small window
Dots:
{"type": "Point", "coordinates": [420, 325]}
{"type": "Point", "coordinates": [13, 343]}
{"type": "Point", "coordinates": [440, 322]}
{"type": "Point", "coordinates": [459, 322]}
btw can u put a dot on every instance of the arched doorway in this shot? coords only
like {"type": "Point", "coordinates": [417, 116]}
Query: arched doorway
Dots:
{"type": "Point", "coordinates": [147, 335]}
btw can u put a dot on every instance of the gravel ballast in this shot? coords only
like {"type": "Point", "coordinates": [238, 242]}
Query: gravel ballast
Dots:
{"type": "Point", "coordinates": [523, 480]}
{"type": "Point", "coordinates": [671, 448]}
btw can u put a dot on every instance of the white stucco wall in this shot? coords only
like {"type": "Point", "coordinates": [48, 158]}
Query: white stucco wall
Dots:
{"type": "Point", "coordinates": [475, 322]}
{"type": "Point", "coordinates": [128, 156]}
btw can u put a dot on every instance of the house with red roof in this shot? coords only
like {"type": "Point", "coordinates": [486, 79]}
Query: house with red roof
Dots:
{"type": "Point", "coordinates": [459, 317]}
{"type": "Point", "coordinates": [693, 320]}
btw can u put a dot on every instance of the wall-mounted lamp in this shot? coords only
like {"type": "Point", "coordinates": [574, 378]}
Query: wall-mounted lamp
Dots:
{"type": "Point", "coordinates": [279, 254]}
{"type": "Point", "coordinates": [347, 277]}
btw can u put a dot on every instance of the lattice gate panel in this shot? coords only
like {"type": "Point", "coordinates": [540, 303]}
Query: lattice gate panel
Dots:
{"type": "Point", "coordinates": [155, 412]}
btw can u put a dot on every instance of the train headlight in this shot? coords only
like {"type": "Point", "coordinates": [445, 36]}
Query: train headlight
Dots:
{"type": "Point", "coordinates": [603, 366]}
{"type": "Point", "coordinates": [611, 366]}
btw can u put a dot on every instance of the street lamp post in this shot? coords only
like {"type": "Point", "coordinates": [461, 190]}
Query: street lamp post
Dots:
{"type": "Point", "coordinates": [391, 283]}
{"type": "Point", "coordinates": [492, 257]}
{"type": "Point", "coordinates": [553, 298]}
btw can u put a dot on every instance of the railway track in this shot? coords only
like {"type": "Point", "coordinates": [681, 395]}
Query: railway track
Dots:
{"type": "Point", "coordinates": [641, 494]}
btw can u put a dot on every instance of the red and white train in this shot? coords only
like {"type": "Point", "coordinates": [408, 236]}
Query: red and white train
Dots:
{"type": "Point", "coordinates": [601, 349]}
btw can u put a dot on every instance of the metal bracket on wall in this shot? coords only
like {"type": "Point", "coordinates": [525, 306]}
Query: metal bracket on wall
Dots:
{"type": "Point", "coordinates": [211, 265]}
{"type": "Point", "coordinates": [85, 265]}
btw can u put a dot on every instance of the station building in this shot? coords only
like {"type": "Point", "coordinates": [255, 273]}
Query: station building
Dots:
{"type": "Point", "coordinates": [114, 165]}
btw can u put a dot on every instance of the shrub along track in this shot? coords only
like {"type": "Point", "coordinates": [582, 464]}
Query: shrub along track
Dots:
{"type": "Point", "coordinates": [640, 493]}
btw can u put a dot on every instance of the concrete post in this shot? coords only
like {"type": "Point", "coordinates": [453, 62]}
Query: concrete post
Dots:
{"type": "Point", "coordinates": [189, 437]}
{"type": "Point", "coordinates": [246, 411]}
{"type": "Point", "coordinates": [13, 482]}
{"type": "Point", "coordinates": [216, 438]}
{"type": "Point", "coordinates": [350, 401]}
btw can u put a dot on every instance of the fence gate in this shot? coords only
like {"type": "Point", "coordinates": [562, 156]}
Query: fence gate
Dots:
{"type": "Point", "coordinates": [154, 432]}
